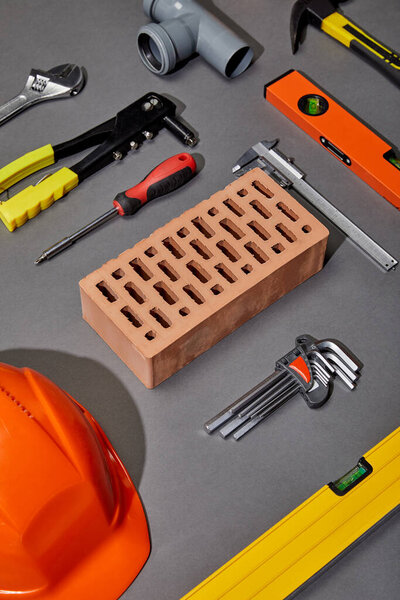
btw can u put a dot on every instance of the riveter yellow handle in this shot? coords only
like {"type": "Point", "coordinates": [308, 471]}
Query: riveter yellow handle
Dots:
{"type": "Point", "coordinates": [28, 203]}
{"type": "Point", "coordinates": [26, 165]}
{"type": "Point", "coordinates": [378, 54]}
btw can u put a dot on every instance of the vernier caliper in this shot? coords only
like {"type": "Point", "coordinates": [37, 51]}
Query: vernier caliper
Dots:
{"type": "Point", "coordinates": [281, 168]}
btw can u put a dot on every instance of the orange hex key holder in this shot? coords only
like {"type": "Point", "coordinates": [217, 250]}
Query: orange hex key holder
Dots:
{"type": "Point", "coordinates": [338, 131]}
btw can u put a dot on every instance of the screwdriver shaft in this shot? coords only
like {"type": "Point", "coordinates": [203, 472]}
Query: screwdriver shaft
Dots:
{"type": "Point", "coordinates": [71, 239]}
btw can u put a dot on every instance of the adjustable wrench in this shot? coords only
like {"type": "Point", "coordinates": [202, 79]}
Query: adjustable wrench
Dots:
{"type": "Point", "coordinates": [58, 82]}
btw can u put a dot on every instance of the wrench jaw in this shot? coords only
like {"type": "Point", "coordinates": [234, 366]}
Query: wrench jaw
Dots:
{"type": "Point", "coordinates": [71, 76]}
{"type": "Point", "coordinates": [59, 82]}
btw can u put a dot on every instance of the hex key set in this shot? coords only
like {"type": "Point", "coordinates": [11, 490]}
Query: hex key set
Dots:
{"type": "Point", "coordinates": [309, 369]}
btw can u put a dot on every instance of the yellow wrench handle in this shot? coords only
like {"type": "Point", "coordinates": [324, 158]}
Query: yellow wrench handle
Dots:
{"type": "Point", "coordinates": [26, 165]}
{"type": "Point", "coordinates": [28, 203]}
{"type": "Point", "coordinates": [356, 39]}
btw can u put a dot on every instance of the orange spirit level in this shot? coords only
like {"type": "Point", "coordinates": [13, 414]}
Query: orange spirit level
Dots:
{"type": "Point", "coordinates": [341, 133]}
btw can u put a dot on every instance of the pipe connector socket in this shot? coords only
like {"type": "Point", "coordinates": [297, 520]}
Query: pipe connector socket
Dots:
{"type": "Point", "coordinates": [162, 46]}
{"type": "Point", "coordinates": [184, 27]}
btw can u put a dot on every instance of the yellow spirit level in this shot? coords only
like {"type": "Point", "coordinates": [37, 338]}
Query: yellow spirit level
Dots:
{"type": "Point", "coordinates": [298, 548]}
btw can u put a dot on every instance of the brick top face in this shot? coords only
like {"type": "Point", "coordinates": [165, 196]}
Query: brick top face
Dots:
{"type": "Point", "coordinates": [197, 264]}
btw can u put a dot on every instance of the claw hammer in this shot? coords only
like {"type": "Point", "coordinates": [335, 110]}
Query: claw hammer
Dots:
{"type": "Point", "coordinates": [324, 15]}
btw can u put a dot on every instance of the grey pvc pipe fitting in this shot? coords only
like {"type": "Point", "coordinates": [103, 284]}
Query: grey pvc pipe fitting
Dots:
{"type": "Point", "coordinates": [183, 27]}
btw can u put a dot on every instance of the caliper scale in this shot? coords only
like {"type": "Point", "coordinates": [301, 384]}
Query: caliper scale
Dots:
{"type": "Point", "coordinates": [282, 169]}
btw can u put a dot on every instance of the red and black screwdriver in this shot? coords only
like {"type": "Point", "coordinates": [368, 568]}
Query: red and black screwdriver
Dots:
{"type": "Point", "coordinates": [168, 176]}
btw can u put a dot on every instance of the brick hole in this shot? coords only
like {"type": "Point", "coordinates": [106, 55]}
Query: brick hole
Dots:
{"type": "Point", "coordinates": [278, 248]}
{"type": "Point", "coordinates": [306, 228]}
{"type": "Point", "coordinates": [228, 251]}
{"type": "Point", "coordinates": [183, 232]}
{"type": "Point", "coordinates": [259, 230]}
{"type": "Point", "coordinates": [166, 268]}
{"type": "Point", "coordinates": [258, 207]}
{"type": "Point", "coordinates": [202, 226]}
{"type": "Point", "coordinates": [235, 208]}
{"type": "Point", "coordinates": [287, 211]}
{"type": "Point", "coordinates": [286, 233]}
{"type": "Point", "coordinates": [134, 292]}
{"type": "Point", "coordinates": [201, 249]}
{"type": "Point", "coordinates": [132, 318]}
{"type": "Point", "coordinates": [118, 274]}
{"type": "Point", "coordinates": [184, 311]}
{"type": "Point", "coordinates": [150, 335]}
{"type": "Point", "coordinates": [193, 294]}
{"type": "Point", "coordinates": [150, 252]}
{"type": "Point", "coordinates": [225, 273]}
{"type": "Point", "coordinates": [262, 189]}
{"type": "Point", "coordinates": [231, 228]}
{"type": "Point", "coordinates": [242, 193]}
{"type": "Point", "coordinates": [141, 269]}
{"type": "Point", "coordinates": [106, 291]}
{"type": "Point", "coordinates": [217, 289]}
{"type": "Point", "coordinates": [255, 251]}
{"type": "Point", "coordinates": [173, 247]}
{"type": "Point", "coordinates": [198, 271]}
{"type": "Point", "coordinates": [212, 211]}
{"type": "Point", "coordinates": [247, 269]}
{"type": "Point", "coordinates": [166, 294]}
{"type": "Point", "coordinates": [160, 318]}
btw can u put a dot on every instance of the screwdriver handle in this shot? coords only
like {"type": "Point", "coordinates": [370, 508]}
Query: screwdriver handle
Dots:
{"type": "Point", "coordinates": [165, 178]}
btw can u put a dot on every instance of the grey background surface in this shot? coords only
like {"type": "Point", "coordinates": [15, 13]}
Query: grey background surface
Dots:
{"type": "Point", "coordinates": [206, 498]}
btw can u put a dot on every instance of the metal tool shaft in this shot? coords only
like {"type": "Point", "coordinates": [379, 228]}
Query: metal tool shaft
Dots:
{"type": "Point", "coordinates": [262, 402]}
{"type": "Point", "coordinates": [263, 414]}
{"type": "Point", "coordinates": [234, 408]}
{"type": "Point", "coordinates": [71, 239]}
{"type": "Point", "coordinates": [13, 107]}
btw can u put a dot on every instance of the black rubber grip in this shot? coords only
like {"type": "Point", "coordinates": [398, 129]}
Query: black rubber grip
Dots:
{"type": "Point", "coordinates": [169, 184]}
{"type": "Point", "coordinates": [130, 205]}
{"type": "Point", "coordinates": [388, 62]}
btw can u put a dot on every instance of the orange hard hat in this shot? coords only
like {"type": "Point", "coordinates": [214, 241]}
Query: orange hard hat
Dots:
{"type": "Point", "coordinates": [72, 525]}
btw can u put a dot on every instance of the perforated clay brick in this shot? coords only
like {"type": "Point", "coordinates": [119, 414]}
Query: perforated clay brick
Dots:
{"type": "Point", "coordinates": [175, 294]}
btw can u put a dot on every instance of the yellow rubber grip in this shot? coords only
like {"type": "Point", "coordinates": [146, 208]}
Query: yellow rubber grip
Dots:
{"type": "Point", "coordinates": [25, 165]}
{"type": "Point", "coordinates": [28, 203]}
{"type": "Point", "coordinates": [335, 24]}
